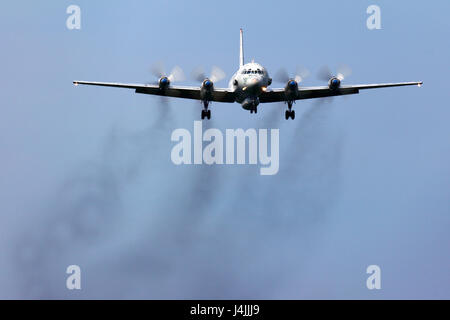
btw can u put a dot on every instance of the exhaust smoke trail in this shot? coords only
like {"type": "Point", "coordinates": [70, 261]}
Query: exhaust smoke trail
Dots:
{"type": "Point", "coordinates": [193, 232]}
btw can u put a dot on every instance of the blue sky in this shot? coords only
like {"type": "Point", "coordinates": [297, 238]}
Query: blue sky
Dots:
{"type": "Point", "coordinates": [86, 176]}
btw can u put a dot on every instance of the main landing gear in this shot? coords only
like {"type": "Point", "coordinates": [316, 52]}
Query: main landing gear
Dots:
{"type": "Point", "coordinates": [206, 113]}
{"type": "Point", "coordinates": [254, 110]}
{"type": "Point", "coordinates": [290, 113]}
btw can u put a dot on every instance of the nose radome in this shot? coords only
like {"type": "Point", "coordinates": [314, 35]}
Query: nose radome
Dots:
{"type": "Point", "coordinates": [255, 82]}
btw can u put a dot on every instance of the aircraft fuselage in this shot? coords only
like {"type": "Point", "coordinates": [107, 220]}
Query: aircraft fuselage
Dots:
{"type": "Point", "coordinates": [248, 83]}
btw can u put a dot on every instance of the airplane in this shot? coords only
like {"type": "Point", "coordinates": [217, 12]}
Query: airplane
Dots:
{"type": "Point", "coordinates": [249, 86]}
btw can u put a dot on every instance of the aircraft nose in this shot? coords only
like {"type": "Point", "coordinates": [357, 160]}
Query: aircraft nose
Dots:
{"type": "Point", "coordinates": [255, 82]}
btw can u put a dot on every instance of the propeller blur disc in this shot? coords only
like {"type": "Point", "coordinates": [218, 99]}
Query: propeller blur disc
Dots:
{"type": "Point", "coordinates": [217, 74]}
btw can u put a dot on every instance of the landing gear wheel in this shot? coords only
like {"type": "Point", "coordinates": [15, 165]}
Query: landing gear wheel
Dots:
{"type": "Point", "coordinates": [206, 114]}
{"type": "Point", "coordinates": [290, 114]}
{"type": "Point", "coordinates": [256, 110]}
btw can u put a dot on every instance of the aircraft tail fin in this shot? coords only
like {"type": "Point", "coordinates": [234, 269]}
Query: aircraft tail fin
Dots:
{"type": "Point", "coordinates": [241, 50]}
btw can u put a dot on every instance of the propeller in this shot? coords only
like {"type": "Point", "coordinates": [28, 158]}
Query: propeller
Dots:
{"type": "Point", "coordinates": [175, 75]}
{"type": "Point", "coordinates": [216, 74]}
{"type": "Point", "coordinates": [164, 79]}
{"type": "Point", "coordinates": [300, 74]}
{"type": "Point", "coordinates": [342, 72]}
{"type": "Point", "coordinates": [334, 80]}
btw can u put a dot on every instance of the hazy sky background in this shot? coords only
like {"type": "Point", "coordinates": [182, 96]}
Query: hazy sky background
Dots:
{"type": "Point", "coordinates": [86, 176]}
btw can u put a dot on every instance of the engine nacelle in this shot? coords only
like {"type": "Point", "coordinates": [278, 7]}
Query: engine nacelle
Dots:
{"type": "Point", "coordinates": [207, 84]}
{"type": "Point", "coordinates": [291, 90]}
{"type": "Point", "coordinates": [334, 83]}
{"type": "Point", "coordinates": [164, 83]}
{"type": "Point", "coordinates": [207, 90]}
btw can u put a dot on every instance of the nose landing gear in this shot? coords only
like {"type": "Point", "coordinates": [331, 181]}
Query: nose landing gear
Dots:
{"type": "Point", "coordinates": [290, 113]}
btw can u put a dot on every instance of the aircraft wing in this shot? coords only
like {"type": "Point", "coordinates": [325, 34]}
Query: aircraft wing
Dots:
{"type": "Point", "coordinates": [276, 95]}
{"type": "Point", "coordinates": [219, 94]}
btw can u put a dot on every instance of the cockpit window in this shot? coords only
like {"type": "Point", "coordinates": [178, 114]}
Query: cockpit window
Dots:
{"type": "Point", "coordinates": [249, 71]}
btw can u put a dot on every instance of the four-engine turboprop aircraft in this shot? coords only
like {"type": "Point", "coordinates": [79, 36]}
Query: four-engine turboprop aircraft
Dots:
{"type": "Point", "coordinates": [249, 86]}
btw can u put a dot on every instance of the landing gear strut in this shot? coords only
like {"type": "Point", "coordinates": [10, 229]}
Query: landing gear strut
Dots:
{"type": "Point", "coordinates": [290, 113]}
{"type": "Point", "coordinates": [206, 113]}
